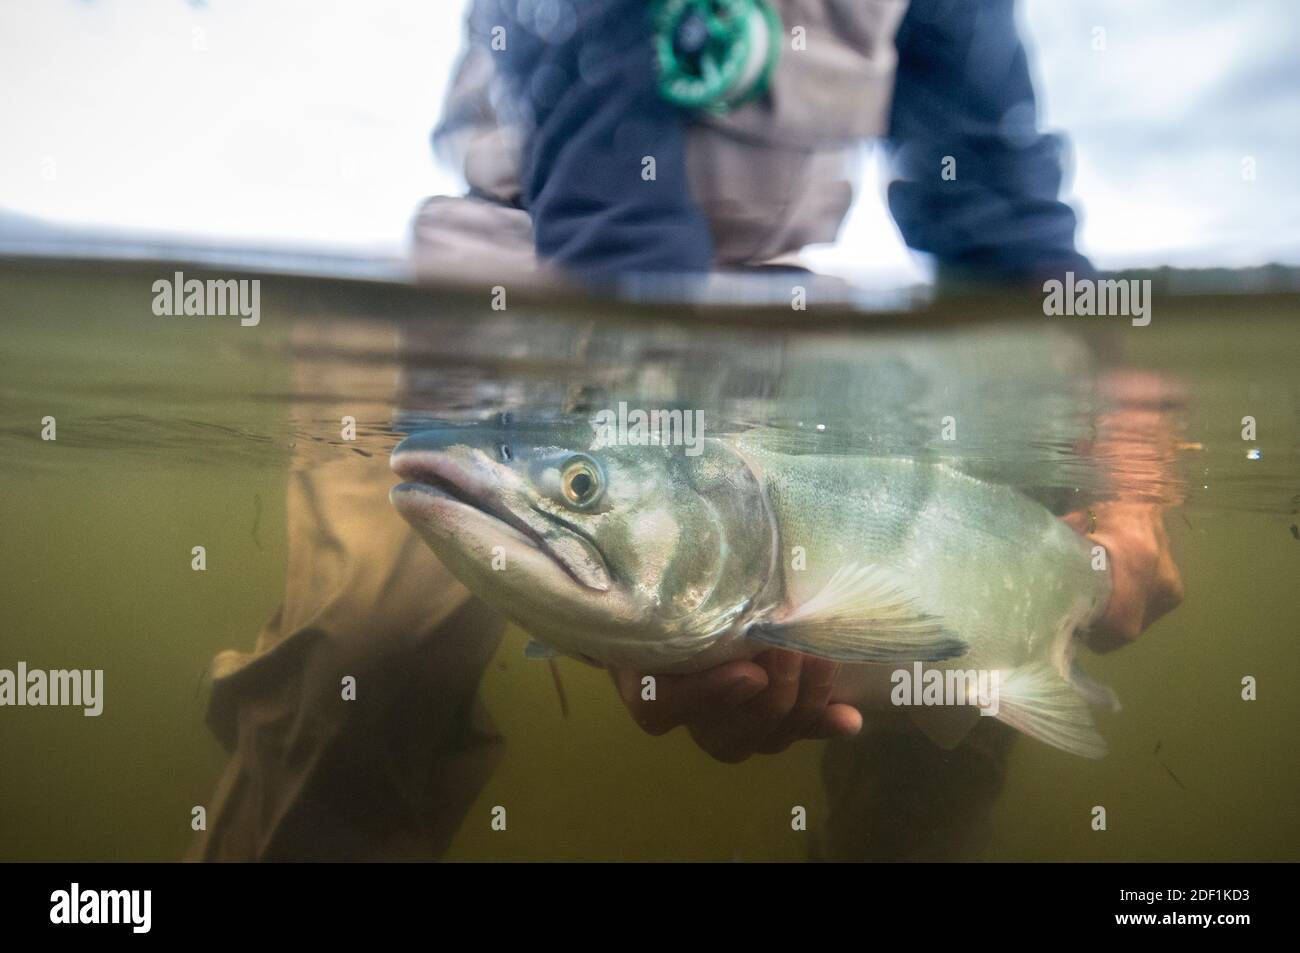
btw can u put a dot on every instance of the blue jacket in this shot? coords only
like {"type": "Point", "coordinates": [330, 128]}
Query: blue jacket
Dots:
{"type": "Point", "coordinates": [962, 91]}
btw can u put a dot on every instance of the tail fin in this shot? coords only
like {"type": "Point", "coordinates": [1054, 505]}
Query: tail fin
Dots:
{"type": "Point", "coordinates": [1035, 699]}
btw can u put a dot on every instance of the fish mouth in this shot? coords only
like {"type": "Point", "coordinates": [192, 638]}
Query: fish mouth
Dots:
{"type": "Point", "coordinates": [437, 486]}
{"type": "Point", "coordinates": [432, 477]}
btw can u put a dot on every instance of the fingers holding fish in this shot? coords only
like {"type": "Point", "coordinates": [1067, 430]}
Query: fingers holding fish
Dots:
{"type": "Point", "coordinates": [755, 726]}
{"type": "Point", "coordinates": [837, 721]}
{"type": "Point", "coordinates": [814, 693]}
{"type": "Point", "coordinates": [733, 734]}
{"type": "Point", "coordinates": [1145, 581]}
{"type": "Point", "coordinates": [793, 707]}
{"type": "Point", "coordinates": [681, 699]}
{"type": "Point", "coordinates": [773, 707]}
{"type": "Point", "coordinates": [742, 708]}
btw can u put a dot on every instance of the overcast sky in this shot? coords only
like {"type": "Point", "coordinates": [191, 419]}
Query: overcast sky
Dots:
{"type": "Point", "coordinates": [306, 122]}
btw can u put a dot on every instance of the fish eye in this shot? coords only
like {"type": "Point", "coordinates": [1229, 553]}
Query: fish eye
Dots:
{"type": "Point", "coordinates": [580, 482]}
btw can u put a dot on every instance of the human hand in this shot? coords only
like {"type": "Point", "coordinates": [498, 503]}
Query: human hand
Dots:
{"type": "Point", "coordinates": [1145, 583]}
{"type": "Point", "coordinates": [738, 709]}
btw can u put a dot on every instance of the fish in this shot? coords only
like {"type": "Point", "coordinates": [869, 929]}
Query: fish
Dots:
{"type": "Point", "coordinates": [647, 558]}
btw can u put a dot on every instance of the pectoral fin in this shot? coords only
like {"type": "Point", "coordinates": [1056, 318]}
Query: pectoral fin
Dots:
{"type": "Point", "coordinates": [861, 615]}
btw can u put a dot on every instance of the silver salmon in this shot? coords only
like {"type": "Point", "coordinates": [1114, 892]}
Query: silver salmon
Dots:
{"type": "Point", "coordinates": [649, 558]}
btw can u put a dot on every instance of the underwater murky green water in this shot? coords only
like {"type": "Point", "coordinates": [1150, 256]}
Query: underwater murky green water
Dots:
{"type": "Point", "coordinates": [181, 432]}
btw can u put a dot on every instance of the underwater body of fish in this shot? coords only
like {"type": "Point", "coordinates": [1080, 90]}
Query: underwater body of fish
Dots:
{"type": "Point", "coordinates": [671, 559]}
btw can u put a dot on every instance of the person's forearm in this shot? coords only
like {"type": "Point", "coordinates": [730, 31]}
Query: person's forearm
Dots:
{"type": "Point", "coordinates": [604, 175]}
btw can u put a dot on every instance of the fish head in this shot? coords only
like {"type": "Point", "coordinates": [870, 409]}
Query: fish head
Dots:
{"type": "Point", "coordinates": [628, 555]}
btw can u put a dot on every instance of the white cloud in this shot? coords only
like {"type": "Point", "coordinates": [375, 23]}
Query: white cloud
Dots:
{"type": "Point", "coordinates": [289, 121]}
